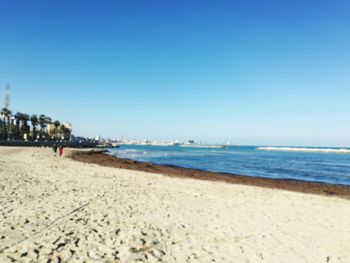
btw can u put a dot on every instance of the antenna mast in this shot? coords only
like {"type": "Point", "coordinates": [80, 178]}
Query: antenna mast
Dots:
{"type": "Point", "coordinates": [7, 97]}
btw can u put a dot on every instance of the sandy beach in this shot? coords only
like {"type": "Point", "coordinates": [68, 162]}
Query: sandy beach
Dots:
{"type": "Point", "coordinates": [64, 210]}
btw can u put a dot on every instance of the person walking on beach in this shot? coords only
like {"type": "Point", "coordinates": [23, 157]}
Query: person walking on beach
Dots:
{"type": "Point", "coordinates": [60, 150]}
{"type": "Point", "coordinates": [54, 149]}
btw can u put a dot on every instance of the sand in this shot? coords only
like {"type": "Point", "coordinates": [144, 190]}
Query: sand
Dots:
{"type": "Point", "coordinates": [104, 159]}
{"type": "Point", "coordinates": [69, 211]}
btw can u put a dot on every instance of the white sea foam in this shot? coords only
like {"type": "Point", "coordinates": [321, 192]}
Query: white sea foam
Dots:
{"type": "Point", "coordinates": [312, 150]}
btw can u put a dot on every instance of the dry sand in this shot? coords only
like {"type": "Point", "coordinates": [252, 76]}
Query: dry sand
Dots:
{"type": "Point", "coordinates": [68, 211]}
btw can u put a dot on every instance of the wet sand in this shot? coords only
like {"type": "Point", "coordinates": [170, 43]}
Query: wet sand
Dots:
{"type": "Point", "coordinates": [61, 210]}
{"type": "Point", "coordinates": [104, 159]}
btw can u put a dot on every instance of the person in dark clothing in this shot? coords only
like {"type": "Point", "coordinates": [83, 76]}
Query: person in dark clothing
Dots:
{"type": "Point", "coordinates": [54, 149]}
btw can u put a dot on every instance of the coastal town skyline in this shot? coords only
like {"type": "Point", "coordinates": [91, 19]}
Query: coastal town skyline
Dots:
{"type": "Point", "coordinates": [253, 74]}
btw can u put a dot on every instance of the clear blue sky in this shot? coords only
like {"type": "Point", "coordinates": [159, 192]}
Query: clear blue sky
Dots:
{"type": "Point", "coordinates": [252, 72]}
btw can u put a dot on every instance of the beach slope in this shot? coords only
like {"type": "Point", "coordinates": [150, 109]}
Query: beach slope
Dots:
{"type": "Point", "coordinates": [69, 211]}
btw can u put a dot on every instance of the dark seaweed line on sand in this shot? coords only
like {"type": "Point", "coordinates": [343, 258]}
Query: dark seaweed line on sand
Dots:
{"type": "Point", "coordinates": [173, 171]}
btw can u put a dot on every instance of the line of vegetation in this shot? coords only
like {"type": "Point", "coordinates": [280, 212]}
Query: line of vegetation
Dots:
{"type": "Point", "coordinates": [17, 127]}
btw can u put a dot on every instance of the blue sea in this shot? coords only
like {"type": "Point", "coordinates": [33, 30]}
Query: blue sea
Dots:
{"type": "Point", "coordinates": [325, 165]}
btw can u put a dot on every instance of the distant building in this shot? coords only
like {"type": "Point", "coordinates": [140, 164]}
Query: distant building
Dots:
{"type": "Point", "coordinates": [2, 118]}
{"type": "Point", "coordinates": [2, 125]}
{"type": "Point", "coordinates": [68, 126]}
{"type": "Point", "coordinates": [62, 132]}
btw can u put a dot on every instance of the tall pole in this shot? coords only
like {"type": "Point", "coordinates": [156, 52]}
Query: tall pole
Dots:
{"type": "Point", "coordinates": [7, 97]}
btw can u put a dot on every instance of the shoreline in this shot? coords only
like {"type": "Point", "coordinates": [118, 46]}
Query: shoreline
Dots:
{"type": "Point", "coordinates": [102, 159]}
{"type": "Point", "coordinates": [61, 210]}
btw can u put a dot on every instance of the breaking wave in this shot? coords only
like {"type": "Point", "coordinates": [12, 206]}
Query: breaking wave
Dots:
{"type": "Point", "coordinates": [312, 150]}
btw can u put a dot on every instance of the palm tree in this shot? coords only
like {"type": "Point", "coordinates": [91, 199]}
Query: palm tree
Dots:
{"type": "Point", "coordinates": [43, 121]}
{"type": "Point", "coordinates": [7, 113]}
{"type": "Point", "coordinates": [34, 120]}
{"type": "Point", "coordinates": [48, 120]}
{"type": "Point", "coordinates": [25, 127]}
{"type": "Point", "coordinates": [42, 118]}
{"type": "Point", "coordinates": [56, 124]}
{"type": "Point", "coordinates": [3, 125]}
{"type": "Point", "coordinates": [18, 118]}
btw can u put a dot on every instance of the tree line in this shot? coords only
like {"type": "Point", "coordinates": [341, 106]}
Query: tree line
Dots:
{"type": "Point", "coordinates": [22, 126]}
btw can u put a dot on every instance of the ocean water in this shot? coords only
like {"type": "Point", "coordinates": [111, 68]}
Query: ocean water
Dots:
{"type": "Point", "coordinates": [325, 165]}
